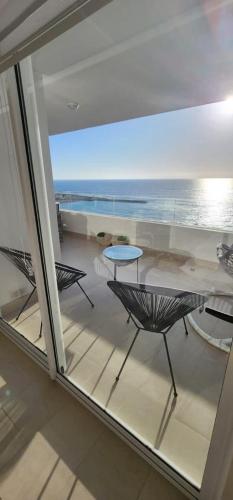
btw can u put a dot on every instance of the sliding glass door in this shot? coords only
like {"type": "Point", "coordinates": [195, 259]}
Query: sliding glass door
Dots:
{"type": "Point", "coordinates": [18, 288]}
{"type": "Point", "coordinates": [28, 293]}
{"type": "Point", "coordinates": [136, 229]}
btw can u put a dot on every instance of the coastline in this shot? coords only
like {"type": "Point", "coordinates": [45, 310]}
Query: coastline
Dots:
{"type": "Point", "coordinates": [69, 197]}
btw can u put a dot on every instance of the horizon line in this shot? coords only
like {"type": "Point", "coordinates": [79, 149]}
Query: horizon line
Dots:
{"type": "Point", "coordinates": [141, 178]}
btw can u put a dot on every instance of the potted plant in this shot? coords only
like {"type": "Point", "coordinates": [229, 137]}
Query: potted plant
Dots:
{"type": "Point", "coordinates": [120, 240]}
{"type": "Point", "coordinates": [104, 239]}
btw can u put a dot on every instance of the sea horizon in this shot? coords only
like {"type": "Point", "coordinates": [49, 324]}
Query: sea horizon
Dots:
{"type": "Point", "coordinates": [203, 202]}
{"type": "Point", "coordinates": [141, 179]}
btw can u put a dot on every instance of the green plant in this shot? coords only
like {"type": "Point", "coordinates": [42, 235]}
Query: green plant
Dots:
{"type": "Point", "coordinates": [101, 234]}
{"type": "Point", "coordinates": [122, 238]}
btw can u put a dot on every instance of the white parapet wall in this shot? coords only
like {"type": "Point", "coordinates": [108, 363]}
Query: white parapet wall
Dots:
{"type": "Point", "coordinates": [197, 243]}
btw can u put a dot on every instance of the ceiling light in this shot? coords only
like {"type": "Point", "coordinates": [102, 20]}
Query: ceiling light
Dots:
{"type": "Point", "coordinates": [74, 106]}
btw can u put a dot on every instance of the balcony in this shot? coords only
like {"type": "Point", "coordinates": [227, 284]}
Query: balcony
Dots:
{"type": "Point", "coordinates": [96, 340]}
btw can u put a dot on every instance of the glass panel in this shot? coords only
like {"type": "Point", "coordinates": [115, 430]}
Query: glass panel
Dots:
{"type": "Point", "coordinates": [143, 197]}
{"type": "Point", "coordinates": [18, 291]}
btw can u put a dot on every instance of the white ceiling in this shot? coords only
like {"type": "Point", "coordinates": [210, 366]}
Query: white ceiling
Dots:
{"type": "Point", "coordinates": [135, 58]}
{"type": "Point", "coordinates": [19, 19]}
{"type": "Point", "coordinates": [131, 58]}
{"type": "Point", "coordinates": [11, 10]}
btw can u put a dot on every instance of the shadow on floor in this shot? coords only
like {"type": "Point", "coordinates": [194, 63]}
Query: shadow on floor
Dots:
{"type": "Point", "coordinates": [52, 447]}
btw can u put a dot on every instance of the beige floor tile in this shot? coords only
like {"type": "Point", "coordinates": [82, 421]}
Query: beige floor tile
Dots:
{"type": "Point", "coordinates": [13, 381]}
{"type": "Point", "coordinates": [30, 410]}
{"type": "Point", "coordinates": [187, 450]}
{"type": "Point", "coordinates": [156, 487]}
{"type": "Point", "coordinates": [72, 432]}
{"type": "Point", "coordinates": [59, 483]}
{"type": "Point", "coordinates": [227, 494]}
{"type": "Point", "coordinates": [49, 461]}
{"type": "Point", "coordinates": [37, 465]}
{"type": "Point", "coordinates": [7, 431]}
{"type": "Point", "coordinates": [111, 471]}
{"type": "Point", "coordinates": [72, 455]}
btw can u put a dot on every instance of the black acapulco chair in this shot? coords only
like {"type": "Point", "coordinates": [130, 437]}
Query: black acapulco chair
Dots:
{"type": "Point", "coordinates": [155, 309]}
{"type": "Point", "coordinates": [66, 275]}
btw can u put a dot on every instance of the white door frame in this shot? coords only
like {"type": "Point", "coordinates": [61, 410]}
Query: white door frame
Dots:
{"type": "Point", "coordinates": [39, 149]}
{"type": "Point", "coordinates": [35, 222]}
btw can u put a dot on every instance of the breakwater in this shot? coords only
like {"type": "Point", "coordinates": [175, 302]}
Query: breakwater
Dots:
{"type": "Point", "coordinates": [70, 197]}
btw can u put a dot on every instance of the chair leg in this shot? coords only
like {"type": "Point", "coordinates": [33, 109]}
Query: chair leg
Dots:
{"type": "Point", "coordinates": [170, 365]}
{"type": "Point", "coordinates": [88, 298]}
{"type": "Point", "coordinates": [185, 327]}
{"type": "Point", "coordinates": [40, 334]}
{"type": "Point", "coordinates": [128, 319]}
{"type": "Point", "coordinates": [25, 304]}
{"type": "Point", "coordinates": [127, 355]}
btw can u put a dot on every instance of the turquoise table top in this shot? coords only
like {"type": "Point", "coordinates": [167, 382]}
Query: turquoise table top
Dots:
{"type": "Point", "coordinates": [119, 253]}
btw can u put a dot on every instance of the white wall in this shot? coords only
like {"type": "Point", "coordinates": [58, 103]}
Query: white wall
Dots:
{"type": "Point", "coordinates": [194, 242]}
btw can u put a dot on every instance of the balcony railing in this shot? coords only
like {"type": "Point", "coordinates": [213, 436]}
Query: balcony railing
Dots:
{"type": "Point", "coordinates": [204, 213]}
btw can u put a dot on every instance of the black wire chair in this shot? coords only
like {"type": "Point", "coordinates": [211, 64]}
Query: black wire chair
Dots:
{"type": "Point", "coordinates": [225, 257]}
{"type": "Point", "coordinates": [66, 275]}
{"type": "Point", "coordinates": [155, 309]}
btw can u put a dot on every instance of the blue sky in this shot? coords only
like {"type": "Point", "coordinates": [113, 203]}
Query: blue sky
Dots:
{"type": "Point", "coordinates": [190, 143]}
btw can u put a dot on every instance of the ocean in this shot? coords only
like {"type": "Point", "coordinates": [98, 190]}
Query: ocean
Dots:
{"type": "Point", "coordinates": [206, 203]}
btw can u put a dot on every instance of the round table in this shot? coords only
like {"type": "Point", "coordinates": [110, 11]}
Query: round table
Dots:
{"type": "Point", "coordinates": [122, 255]}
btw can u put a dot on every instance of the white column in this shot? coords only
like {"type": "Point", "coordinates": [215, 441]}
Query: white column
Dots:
{"type": "Point", "coordinates": [39, 103]}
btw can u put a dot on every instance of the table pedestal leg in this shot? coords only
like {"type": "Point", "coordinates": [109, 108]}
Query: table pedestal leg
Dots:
{"type": "Point", "coordinates": [137, 270]}
{"type": "Point", "coordinates": [115, 272]}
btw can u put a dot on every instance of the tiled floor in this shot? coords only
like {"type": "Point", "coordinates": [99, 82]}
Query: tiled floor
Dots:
{"type": "Point", "coordinates": [51, 448]}
{"type": "Point", "coordinates": [96, 341]}
{"type": "Point", "coordinates": [227, 494]}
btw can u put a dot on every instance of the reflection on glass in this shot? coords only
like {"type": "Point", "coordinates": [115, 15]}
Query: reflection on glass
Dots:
{"type": "Point", "coordinates": [114, 161]}
{"type": "Point", "coordinates": [18, 297]}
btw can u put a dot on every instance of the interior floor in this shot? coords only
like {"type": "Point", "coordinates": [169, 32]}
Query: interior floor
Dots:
{"type": "Point", "coordinates": [52, 448]}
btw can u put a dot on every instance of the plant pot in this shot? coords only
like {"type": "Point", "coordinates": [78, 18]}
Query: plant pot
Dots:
{"type": "Point", "coordinates": [104, 240]}
{"type": "Point", "coordinates": [116, 240]}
